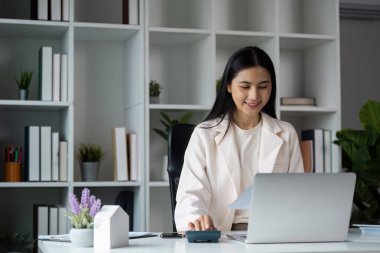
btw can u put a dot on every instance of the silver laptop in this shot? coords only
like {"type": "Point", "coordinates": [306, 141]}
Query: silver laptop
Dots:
{"type": "Point", "coordinates": [299, 208]}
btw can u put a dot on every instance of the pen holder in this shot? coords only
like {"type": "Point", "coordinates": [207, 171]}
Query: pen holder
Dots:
{"type": "Point", "coordinates": [12, 172]}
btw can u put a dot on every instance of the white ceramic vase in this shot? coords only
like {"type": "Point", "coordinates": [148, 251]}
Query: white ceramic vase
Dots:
{"type": "Point", "coordinates": [83, 237]}
{"type": "Point", "coordinates": [165, 175]}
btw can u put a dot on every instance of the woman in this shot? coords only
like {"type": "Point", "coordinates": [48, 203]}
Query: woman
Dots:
{"type": "Point", "coordinates": [239, 138]}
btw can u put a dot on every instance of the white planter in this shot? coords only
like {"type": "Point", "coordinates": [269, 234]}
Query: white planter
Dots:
{"type": "Point", "coordinates": [82, 237]}
{"type": "Point", "coordinates": [165, 175]}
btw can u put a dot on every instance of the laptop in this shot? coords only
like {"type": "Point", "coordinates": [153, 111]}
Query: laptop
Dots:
{"type": "Point", "coordinates": [307, 207]}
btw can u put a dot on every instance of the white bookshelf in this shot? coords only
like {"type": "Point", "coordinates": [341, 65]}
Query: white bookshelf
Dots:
{"type": "Point", "coordinates": [301, 37]}
{"type": "Point", "coordinates": [184, 45]}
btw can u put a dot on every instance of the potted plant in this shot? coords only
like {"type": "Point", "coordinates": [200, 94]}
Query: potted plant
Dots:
{"type": "Point", "coordinates": [82, 218]}
{"type": "Point", "coordinates": [23, 84]}
{"type": "Point", "coordinates": [218, 83]}
{"type": "Point", "coordinates": [17, 242]}
{"type": "Point", "coordinates": [169, 123]}
{"type": "Point", "coordinates": [89, 157]}
{"type": "Point", "coordinates": [154, 92]}
{"type": "Point", "coordinates": [361, 155]}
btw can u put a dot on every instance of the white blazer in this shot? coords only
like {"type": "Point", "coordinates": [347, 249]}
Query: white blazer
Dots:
{"type": "Point", "coordinates": [210, 178]}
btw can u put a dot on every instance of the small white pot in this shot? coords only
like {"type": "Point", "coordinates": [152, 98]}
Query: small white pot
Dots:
{"type": "Point", "coordinates": [82, 237]}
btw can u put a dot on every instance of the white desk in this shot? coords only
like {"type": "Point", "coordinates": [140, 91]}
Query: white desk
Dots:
{"type": "Point", "coordinates": [355, 243]}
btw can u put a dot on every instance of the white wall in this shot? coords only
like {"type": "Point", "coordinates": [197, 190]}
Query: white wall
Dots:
{"type": "Point", "coordinates": [360, 67]}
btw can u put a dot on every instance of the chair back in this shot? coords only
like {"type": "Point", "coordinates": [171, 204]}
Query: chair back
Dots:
{"type": "Point", "coordinates": [179, 137]}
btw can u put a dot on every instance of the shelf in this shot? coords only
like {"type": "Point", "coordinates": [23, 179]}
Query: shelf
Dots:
{"type": "Point", "coordinates": [238, 39]}
{"type": "Point", "coordinates": [36, 29]}
{"type": "Point", "coordinates": [168, 36]}
{"type": "Point", "coordinates": [292, 41]}
{"type": "Point", "coordinates": [107, 184]}
{"type": "Point", "coordinates": [34, 184]}
{"type": "Point", "coordinates": [159, 184]}
{"type": "Point", "coordinates": [7, 105]}
{"type": "Point", "coordinates": [306, 110]}
{"type": "Point", "coordinates": [104, 32]}
{"type": "Point", "coordinates": [179, 107]}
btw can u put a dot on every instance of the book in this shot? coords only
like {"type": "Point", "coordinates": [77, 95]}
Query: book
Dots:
{"type": "Point", "coordinates": [119, 141]}
{"type": "Point", "coordinates": [56, 77]}
{"type": "Point", "coordinates": [63, 161]}
{"type": "Point", "coordinates": [39, 9]}
{"type": "Point", "coordinates": [45, 153]}
{"type": "Point", "coordinates": [40, 220]}
{"type": "Point", "coordinates": [125, 13]}
{"type": "Point", "coordinates": [307, 155]}
{"type": "Point", "coordinates": [64, 78]}
{"type": "Point", "coordinates": [132, 156]}
{"type": "Point", "coordinates": [55, 10]}
{"type": "Point", "coordinates": [297, 101]}
{"type": "Point", "coordinates": [316, 136]}
{"type": "Point", "coordinates": [45, 73]}
{"type": "Point", "coordinates": [133, 12]}
{"type": "Point", "coordinates": [55, 156]}
{"type": "Point", "coordinates": [65, 10]}
{"type": "Point", "coordinates": [53, 220]}
{"type": "Point", "coordinates": [32, 153]}
{"type": "Point", "coordinates": [62, 220]}
{"type": "Point", "coordinates": [327, 150]}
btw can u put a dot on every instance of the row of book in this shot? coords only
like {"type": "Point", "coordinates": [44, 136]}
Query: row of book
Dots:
{"type": "Point", "coordinates": [316, 148]}
{"type": "Point", "coordinates": [125, 156]}
{"type": "Point", "coordinates": [45, 155]}
{"type": "Point", "coordinates": [55, 10]}
{"type": "Point", "coordinates": [53, 75]}
{"type": "Point", "coordinates": [49, 220]}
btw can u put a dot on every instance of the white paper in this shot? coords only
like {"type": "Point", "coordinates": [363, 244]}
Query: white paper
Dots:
{"type": "Point", "coordinates": [243, 201]}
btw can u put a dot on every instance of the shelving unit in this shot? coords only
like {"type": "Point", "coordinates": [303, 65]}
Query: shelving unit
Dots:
{"type": "Point", "coordinates": [184, 45]}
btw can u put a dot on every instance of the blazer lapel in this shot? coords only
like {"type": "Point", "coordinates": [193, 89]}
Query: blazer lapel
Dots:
{"type": "Point", "coordinates": [270, 144]}
{"type": "Point", "coordinates": [227, 147]}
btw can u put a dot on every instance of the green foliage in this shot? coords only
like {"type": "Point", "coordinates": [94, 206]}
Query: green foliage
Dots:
{"type": "Point", "coordinates": [169, 123]}
{"type": "Point", "coordinates": [15, 242]}
{"type": "Point", "coordinates": [361, 155]}
{"type": "Point", "coordinates": [218, 83]}
{"type": "Point", "coordinates": [154, 88]}
{"type": "Point", "coordinates": [25, 79]}
{"type": "Point", "coordinates": [89, 153]}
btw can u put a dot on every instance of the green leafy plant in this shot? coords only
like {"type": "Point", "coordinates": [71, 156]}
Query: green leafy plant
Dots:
{"type": "Point", "coordinates": [218, 83]}
{"type": "Point", "coordinates": [89, 153]}
{"type": "Point", "coordinates": [169, 123]}
{"type": "Point", "coordinates": [16, 242]}
{"type": "Point", "coordinates": [361, 155]}
{"type": "Point", "coordinates": [154, 88]}
{"type": "Point", "coordinates": [23, 82]}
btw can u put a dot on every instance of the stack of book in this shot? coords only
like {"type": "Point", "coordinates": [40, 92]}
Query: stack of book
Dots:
{"type": "Point", "coordinates": [53, 81]}
{"type": "Point", "coordinates": [316, 147]}
{"type": "Point", "coordinates": [309, 101]}
{"type": "Point", "coordinates": [49, 220]}
{"type": "Point", "coordinates": [125, 154]}
{"type": "Point", "coordinates": [55, 10]}
{"type": "Point", "coordinates": [45, 155]}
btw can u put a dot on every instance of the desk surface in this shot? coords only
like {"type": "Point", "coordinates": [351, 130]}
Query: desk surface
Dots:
{"type": "Point", "coordinates": [355, 243]}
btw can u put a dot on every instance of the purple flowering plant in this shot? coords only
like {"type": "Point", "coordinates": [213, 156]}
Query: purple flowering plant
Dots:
{"type": "Point", "coordinates": [82, 214]}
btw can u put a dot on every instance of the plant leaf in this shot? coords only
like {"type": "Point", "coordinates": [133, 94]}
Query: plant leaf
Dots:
{"type": "Point", "coordinates": [370, 115]}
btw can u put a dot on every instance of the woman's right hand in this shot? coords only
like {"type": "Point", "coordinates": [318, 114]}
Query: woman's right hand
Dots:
{"type": "Point", "coordinates": [204, 222]}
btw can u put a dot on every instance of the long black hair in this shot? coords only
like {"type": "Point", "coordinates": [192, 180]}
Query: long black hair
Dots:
{"type": "Point", "coordinates": [244, 58]}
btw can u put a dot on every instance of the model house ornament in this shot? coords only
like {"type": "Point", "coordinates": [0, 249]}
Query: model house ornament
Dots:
{"type": "Point", "coordinates": [111, 228]}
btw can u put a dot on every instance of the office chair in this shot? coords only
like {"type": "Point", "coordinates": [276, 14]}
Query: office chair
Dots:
{"type": "Point", "coordinates": [179, 137]}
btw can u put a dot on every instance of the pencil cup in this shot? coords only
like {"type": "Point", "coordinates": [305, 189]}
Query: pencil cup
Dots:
{"type": "Point", "coordinates": [12, 172]}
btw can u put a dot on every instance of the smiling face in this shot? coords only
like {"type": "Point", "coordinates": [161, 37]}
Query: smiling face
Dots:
{"type": "Point", "coordinates": [250, 91]}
